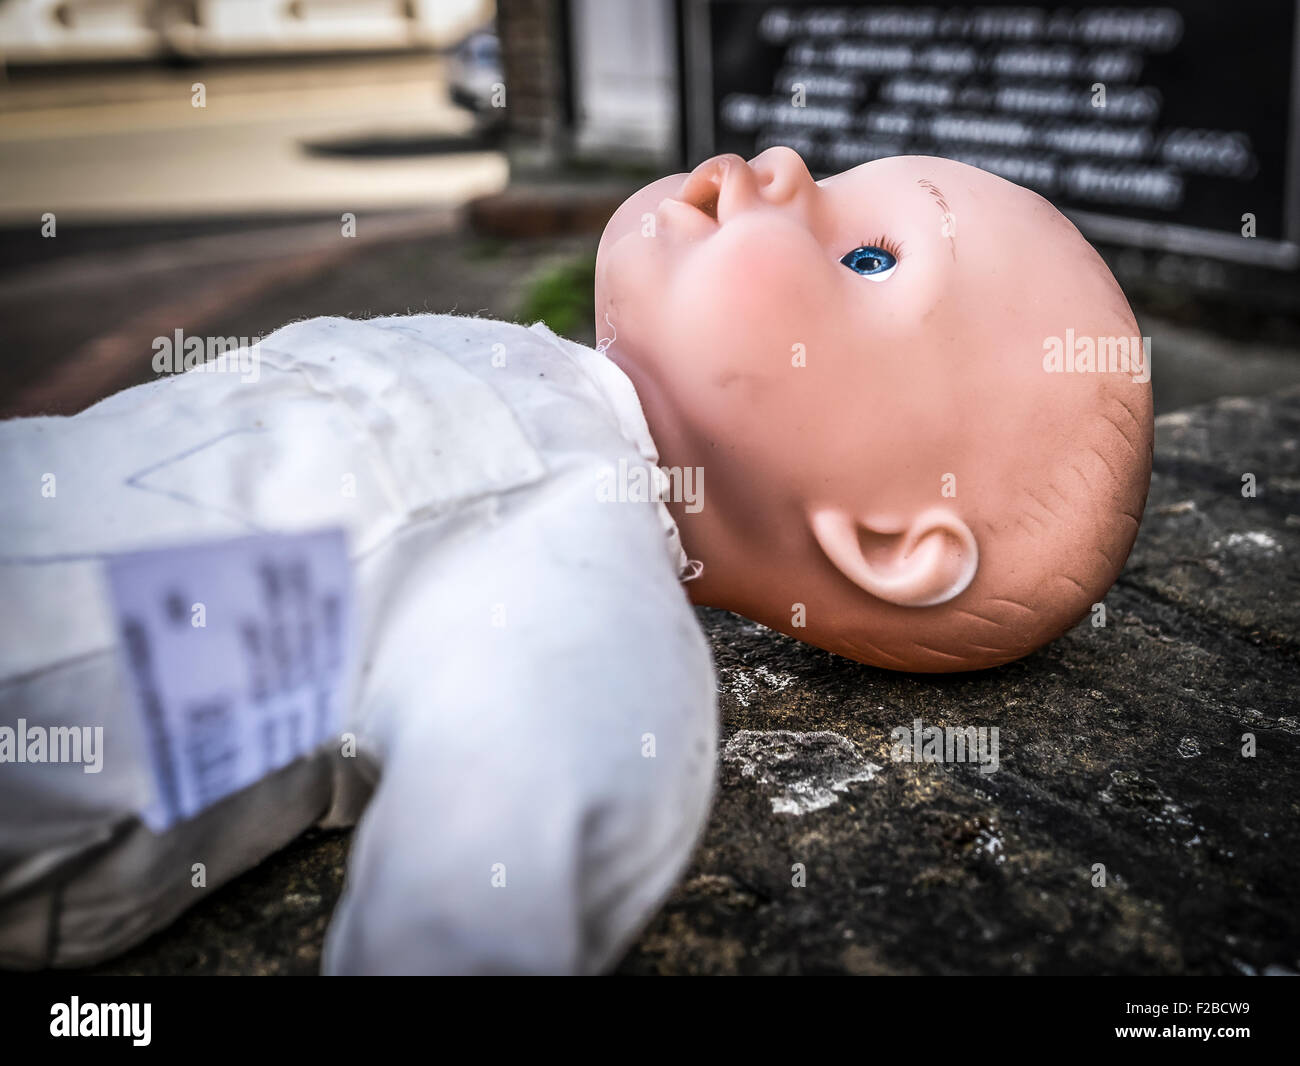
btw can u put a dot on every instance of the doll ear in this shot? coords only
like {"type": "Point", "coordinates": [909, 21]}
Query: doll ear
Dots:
{"type": "Point", "coordinates": [929, 561]}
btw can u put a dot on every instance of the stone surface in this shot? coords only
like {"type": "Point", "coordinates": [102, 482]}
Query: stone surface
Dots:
{"type": "Point", "coordinates": [1119, 745]}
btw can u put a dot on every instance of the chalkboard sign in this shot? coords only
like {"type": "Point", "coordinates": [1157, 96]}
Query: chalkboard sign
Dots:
{"type": "Point", "coordinates": [1164, 126]}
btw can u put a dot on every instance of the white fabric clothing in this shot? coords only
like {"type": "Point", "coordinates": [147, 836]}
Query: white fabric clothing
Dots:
{"type": "Point", "coordinates": [535, 701]}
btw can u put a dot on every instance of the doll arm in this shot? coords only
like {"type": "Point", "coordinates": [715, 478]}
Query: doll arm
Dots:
{"type": "Point", "coordinates": [543, 780]}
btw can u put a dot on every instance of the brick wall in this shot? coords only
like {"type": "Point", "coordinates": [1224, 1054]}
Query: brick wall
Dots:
{"type": "Point", "coordinates": [532, 54]}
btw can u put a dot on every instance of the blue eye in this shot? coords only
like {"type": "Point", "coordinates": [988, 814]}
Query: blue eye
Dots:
{"type": "Point", "coordinates": [871, 261]}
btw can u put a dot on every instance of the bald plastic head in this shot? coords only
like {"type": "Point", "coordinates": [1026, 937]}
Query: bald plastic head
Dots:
{"type": "Point", "coordinates": [921, 468]}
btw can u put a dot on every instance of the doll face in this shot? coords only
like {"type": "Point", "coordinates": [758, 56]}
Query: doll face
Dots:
{"type": "Point", "coordinates": [858, 366]}
{"type": "Point", "coordinates": [862, 321]}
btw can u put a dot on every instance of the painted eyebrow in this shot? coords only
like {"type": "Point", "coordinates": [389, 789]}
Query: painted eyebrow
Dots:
{"type": "Point", "coordinates": [944, 209]}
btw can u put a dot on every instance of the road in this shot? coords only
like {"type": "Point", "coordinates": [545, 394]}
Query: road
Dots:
{"type": "Point", "coordinates": [344, 134]}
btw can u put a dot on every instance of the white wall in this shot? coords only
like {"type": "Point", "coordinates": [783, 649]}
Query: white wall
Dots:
{"type": "Point", "coordinates": [624, 77]}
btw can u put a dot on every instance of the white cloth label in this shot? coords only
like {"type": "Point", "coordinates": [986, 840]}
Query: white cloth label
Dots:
{"type": "Point", "coordinates": [237, 659]}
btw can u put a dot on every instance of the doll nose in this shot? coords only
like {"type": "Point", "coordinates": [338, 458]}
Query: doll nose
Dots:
{"type": "Point", "coordinates": [782, 175]}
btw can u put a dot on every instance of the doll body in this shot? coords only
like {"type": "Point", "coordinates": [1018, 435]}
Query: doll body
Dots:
{"type": "Point", "coordinates": [508, 617]}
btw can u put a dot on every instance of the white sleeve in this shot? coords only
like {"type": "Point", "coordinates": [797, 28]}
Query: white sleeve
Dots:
{"type": "Point", "coordinates": [545, 704]}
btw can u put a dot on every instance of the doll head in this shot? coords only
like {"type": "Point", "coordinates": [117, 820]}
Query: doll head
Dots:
{"type": "Point", "coordinates": [919, 401]}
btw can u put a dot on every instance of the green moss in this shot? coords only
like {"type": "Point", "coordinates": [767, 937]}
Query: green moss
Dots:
{"type": "Point", "coordinates": [562, 297]}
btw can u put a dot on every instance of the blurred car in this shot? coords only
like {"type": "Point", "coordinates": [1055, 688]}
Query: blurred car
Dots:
{"type": "Point", "coordinates": [475, 76]}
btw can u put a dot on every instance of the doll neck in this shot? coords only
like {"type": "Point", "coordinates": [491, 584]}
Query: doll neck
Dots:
{"type": "Point", "coordinates": [702, 517]}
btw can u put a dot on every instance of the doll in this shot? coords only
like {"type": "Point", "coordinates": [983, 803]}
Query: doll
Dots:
{"type": "Point", "coordinates": [902, 467]}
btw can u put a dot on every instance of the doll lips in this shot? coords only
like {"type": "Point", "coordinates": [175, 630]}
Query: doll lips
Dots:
{"type": "Point", "coordinates": [700, 203]}
{"type": "Point", "coordinates": [695, 219]}
{"type": "Point", "coordinates": [705, 212]}
{"type": "Point", "coordinates": [703, 189]}
{"type": "Point", "coordinates": [708, 204]}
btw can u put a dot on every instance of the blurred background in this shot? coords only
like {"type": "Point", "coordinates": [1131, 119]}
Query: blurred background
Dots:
{"type": "Point", "coordinates": [225, 166]}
